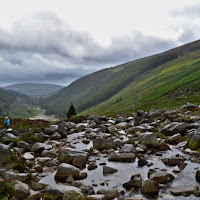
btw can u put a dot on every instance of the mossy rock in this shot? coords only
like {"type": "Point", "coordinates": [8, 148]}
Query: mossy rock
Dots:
{"type": "Point", "coordinates": [193, 144]}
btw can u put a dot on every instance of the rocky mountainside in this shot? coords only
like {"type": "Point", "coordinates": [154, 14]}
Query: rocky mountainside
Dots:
{"type": "Point", "coordinates": [166, 80]}
{"type": "Point", "coordinates": [34, 90]}
{"type": "Point", "coordinates": [143, 155]}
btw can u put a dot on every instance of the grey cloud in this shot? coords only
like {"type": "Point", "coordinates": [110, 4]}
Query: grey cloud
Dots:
{"type": "Point", "coordinates": [188, 11]}
{"type": "Point", "coordinates": [45, 49]}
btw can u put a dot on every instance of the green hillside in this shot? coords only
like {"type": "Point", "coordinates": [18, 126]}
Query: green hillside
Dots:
{"type": "Point", "coordinates": [34, 89]}
{"type": "Point", "coordinates": [164, 80]}
{"type": "Point", "coordinates": [14, 104]}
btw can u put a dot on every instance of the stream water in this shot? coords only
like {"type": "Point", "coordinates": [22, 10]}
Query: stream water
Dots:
{"type": "Point", "coordinates": [126, 170]}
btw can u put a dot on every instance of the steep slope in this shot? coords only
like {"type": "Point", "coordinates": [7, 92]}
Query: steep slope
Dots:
{"type": "Point", "coordinates": [34, 89]}
{"type": "Point", "coordinates": [124, 79]}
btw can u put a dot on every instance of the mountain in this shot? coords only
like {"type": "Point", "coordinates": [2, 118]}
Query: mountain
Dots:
{"type": "Point", "coordinates": [14, 104]}
{"type": "Point", "coordinates": [164, 80]}
{"type": "Point", "coordinates": [34, 89]}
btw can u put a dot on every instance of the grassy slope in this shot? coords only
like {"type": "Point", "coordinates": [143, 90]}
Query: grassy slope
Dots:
{"type": "Point", "coordinates": [14, 104]}
{"type": "Point", "coordinates": [130, 86]}
{"type": "Point", "coordinates": [34, 90]}
{"type": "Point", "coordinates": [168, 86]}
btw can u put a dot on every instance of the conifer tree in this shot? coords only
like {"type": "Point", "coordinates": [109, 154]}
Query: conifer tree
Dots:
{"type": "Point", "coordinates": [72, 111]}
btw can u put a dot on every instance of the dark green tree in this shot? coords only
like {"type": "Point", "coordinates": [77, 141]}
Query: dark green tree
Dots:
{"type": "Point", "coordinates": [72, 111]}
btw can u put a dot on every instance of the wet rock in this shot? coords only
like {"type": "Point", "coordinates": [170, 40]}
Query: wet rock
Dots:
{"type": "Point", "coordinates": [194, 139]}
{"type": "Point", "coordinates": [39, 147]}
{"type": "Point", "coordinates": [57, 192]}
{"type": "Point", "coordinates": [150, 187]}
{"type": "Point", "coordinates": [172, 161]}
{"type": "Point", "coordinates": [5, 151]}
{"type": "Point", "coordinates": [175, 139]}
{"type": "Point", "coordinates": [56, 136]}
{"type": "Point", "coordinates": [28, 156]}
{"type": "Point", "coordinates": [109, 170]}
{"type": "Point", "coordinates": [49, 153]}
{"type": "Point", "coordinates": [155, 114]}
{"type": "Point", "coordinates": [122, 125]}
{"type": "Point", "coordinates": [21, 190]}
{"type": "Point", "coordinates": [92, 166]}
{"type": "Point", "coordinates": [38, 186]}
{"type": "Point", "coordinates": [175, 127]}
{"type": "Point", "coordinates": [122, 157]}
{"type": "Point", "coordinates": [183, 190]}
{"type": "Point", "coordinates": [163, 146]}
{"type": "Point", "coordinates": [85, 188]}
{"type": "Point", "coordinates": [82, 175]}
{"type": "Point", "coordinates": [72, 156]}
{"type": "Point", "coordinates": [65, 170]}
{"type": "Point", "coordinates": [72, 195]}
{"type": "Point", "coordinates": [142, 162]}
{"type": "Point", "coordinates": [97, 196]}
{"type": "Point", "coordinates": [101, 144]}
{"type": "Point", "coordinates": [85, 141]}
{"type": "Point", "coordinates": [34, 196]}
{"type": "Point", "coordinates": [136, 181]}
{"type": "Point", "coordinates": [41, 136]}
{"type": "Point", "coordinates": [49, 131]}
{"type": "Point", "coordinates": [161, 176]}
{"type": "Point", "coordinates": [11, 176]}
{"type": "Point", "coordinates": [109, 194]}
{"type": "Point", "coordinates": [127, 148]}
{"type": "Point", "coordinates": [26, 146]}
{"type": "Point", "coordinates": [149, 139]}
{"type": "Point", "coordinates": [198, 175]}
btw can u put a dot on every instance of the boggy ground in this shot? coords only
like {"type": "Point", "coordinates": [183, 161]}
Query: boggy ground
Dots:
{"type": "Point", "coordinates": [146, 155]}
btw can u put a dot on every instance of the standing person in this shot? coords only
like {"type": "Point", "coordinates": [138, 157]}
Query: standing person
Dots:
{"type": "Point", "coordinates": [7, 122]}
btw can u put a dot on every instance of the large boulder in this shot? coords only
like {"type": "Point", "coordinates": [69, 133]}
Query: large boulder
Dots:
{"type": "Point", "coordinates": [136, 181]}
{"type": "Point", "coordinates": [65, 170]}
{"type": "Point", "coordinates": [183, 190]}
{"type": "Point", "coordinates": [38, 147]}
{"type": "Point", "coordinates": [72, 156]}
{"type": "Point", "coordinates": [161, 176]}
{"type": "Point", "coordinates": [150, 187]}
{"type": "Point", "coordinates": [11, 176]}
{"type": "Point", "coordinates": [101, 144]}
{"type": "Point", "coordinates": [175, 127]}
{"type": "Point", "coordinates": [149, 139]}
{"type": "Point", "coordinates": [5, 151]}
{"type": "Point", "coordinates": [173, 161]}
{"type": "Point", "coordinates": [122, 157]}
{"type": "Point", "coordinates": [21, 190]}
{"type": "Point", "coordinates": [60, 192]}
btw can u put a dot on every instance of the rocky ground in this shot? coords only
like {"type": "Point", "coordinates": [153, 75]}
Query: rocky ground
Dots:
{"type": "Point", "coordinates": [146, 155]}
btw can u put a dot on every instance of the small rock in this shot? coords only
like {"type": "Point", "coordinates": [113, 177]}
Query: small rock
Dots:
{"type": "Point", "coordinates": [109, 170]}
{"type": "Point", "coordinates": [150, 187]}
{"type": "Point", "coordinates": [122, 157]}
{"type": "Point", "coordinates": [184, 189]}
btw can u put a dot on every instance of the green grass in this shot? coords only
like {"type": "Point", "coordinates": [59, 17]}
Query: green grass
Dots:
{"type": "Point", "coordinates": [168, 86]}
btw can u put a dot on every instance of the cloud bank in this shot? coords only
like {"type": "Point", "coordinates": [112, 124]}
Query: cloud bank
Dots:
{"type": "Point", "coordinates": [45, 49]}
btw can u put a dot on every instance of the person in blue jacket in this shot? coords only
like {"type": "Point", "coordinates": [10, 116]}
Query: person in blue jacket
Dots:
{"type": "Point", "coordinates": [7, 122]}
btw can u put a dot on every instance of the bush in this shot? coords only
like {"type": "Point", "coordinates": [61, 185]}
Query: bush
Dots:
{"type": "Point", "coordinates": [6, 190]}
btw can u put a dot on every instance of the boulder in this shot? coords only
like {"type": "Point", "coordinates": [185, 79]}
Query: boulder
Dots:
{"type": "Point", "coordinates": [65, 170]}
{"type": "Point", "coordinates": [198, 175]}
{"type": "Point", "coordinates": [189, 106]}
{"type": "Point", "coordinates": [161, 176]}
{"type": "Point", "coordinates": [175, 139]}
{"type": "Point", "coordinates": [56, 136]}
{"type": "Point", "coordinates": [183, 190]}
{"type": "Point", "coordinates": [85, 188]}
{"type": "Point", "coordinates": [38, 147]}
{"type": "Point", "coordinates": [72, 156]}
{"type": "Point", "coordinates": [127, 148]}
{"type": "Point", "coordinates": [172, 161]}
{"type": "Point", "coordinates": [194, 139]}
{"type": "Point", "coordinates": [26, 146]}
{"type": "Point", "coordinates": [11, 176]}
{"type": "Point", "coordinates": [150, 187]}
{"type": "Point", "coordinates": [101, 144]}
{"type": "Point", "coordinates": [122, 125]}
{"type": "Point", "coordinates": [136, 181]}
{"type": "Point", "coordinates": [57, 192]}
{"type": "Point", "coordinates": [175, 127]}
{"type": "Point", "coordinates": [109, 194]}
{"type": "Point", "coordinates": [28, 156]}
{"type": "Point", "coordinates": [38, 186]}
{"type": "Point", "coordinates": [149, 139]}
{"type": "Point", "coordinates": [109, 170]}
{"type": "Point", "coordinates": [122, 157]}
{"type": "Point", "coordinates": [21, 190]}
{"type": "Point", "coordinates": [5, 151]}
{"type": "Point", "coordinates": [42, 137]}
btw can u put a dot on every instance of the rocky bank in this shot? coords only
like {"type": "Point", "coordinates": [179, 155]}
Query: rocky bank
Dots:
{"type": "Point", "coordinates": [144, 155]}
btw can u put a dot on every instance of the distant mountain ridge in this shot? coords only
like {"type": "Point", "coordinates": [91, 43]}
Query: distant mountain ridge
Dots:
{"type": "Point", "coordinates": [34, 89]}
{"type": "Point", "coordinates": [168, 79]}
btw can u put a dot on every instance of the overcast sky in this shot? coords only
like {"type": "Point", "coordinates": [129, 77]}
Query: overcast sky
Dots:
{"type": "Point", "coordinates": [59, 41]}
